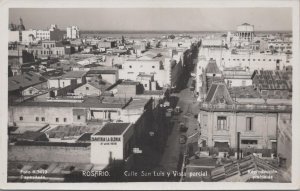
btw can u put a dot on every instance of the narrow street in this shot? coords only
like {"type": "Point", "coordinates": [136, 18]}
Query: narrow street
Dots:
{"type": "Point", "coordinates": [188, 104]}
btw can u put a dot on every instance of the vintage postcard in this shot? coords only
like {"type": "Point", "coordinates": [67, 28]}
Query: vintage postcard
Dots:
{"type": "Point", "coordinates": [150, 94]}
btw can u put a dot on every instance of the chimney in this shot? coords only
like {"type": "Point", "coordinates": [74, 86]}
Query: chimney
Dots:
{"type": "Point", "coordinates": [153, 85]}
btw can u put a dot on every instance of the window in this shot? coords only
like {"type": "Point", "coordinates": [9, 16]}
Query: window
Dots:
{"type": "Point", "coordinates": [43, 118]}
{"type": "Point", "coordinates": [86, 88]}
{"type": "Point", "coordinates": [57, 119]}
{"type": "Point", "coordinates": [264, 59]}
{"type": "Point", "coordinates": [258, 59]}
{"type": "Point", "coordinates": [264, 92]}
{"type": "Point", "coordinates": [78, 117]}
{"type": "Point", "coordinates": [145, 85]}
{"type": "Point", "coordinates": [243, 59]}
{"type": "Point", "coordinates": [21, 118]}
{"type": "Point", "coordinates": [37, 119]}
{"type": "Point", "coordinates": [221, 123]}
{"type": "Point", "coordinates": [65, 119]}
{"type": "Point", "coordinates": [249, 142]}
{"type": "Point", "coordinates": [249, 59]}
{"type": "Point", "coordinates": [249, 123]}
{"type": "Point", "coordinates": [253, 59]}
{"type": "Point", "coordinates": [243, 82]}
{"type": "Point", "coordinates": [130, 66]}
{"type": "Point", "coordinates": [153, 66]}
{"type": "Point", "coordinates": [270, 60]}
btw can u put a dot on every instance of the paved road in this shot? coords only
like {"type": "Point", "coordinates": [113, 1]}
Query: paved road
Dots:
{"type": "Point", "coordinates": [173, 148]}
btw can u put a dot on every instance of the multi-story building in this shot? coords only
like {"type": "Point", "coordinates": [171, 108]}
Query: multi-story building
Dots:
{"type": "Point", "coordinates": [164, 64]}
{"type": "Point", "coordinates": [247, 60]}
{"type": "Point", "coordinates": [73, 32]}
{"type": "Point", "coordinates": [32, 35]}
{"type": "Point", "coordinates": [226, 112]}
{"type": "Point", "coordinates": [245, 32]}
{"type": "Point", "coordinates": [243, 36]}
{"type": "Point", "coordinates": [280, 46]}
{"type": "Point", "coordinates": [43, 34]}
{"type": "Point", "coordinates": [48, 48]}
{"type": "Point", "coordinates": [237, 76]}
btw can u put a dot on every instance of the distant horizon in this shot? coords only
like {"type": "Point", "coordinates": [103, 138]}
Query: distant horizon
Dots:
{"type": "Point", "coordinates": [97, 30]}
{"type": "Point", "coordinates": [155, 19]}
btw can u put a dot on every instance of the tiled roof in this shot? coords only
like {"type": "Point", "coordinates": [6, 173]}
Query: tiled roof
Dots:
{"type": "Point", "coordinates": [31, 135]}
{"type": "Point", "coordinates": [113, 129]}
{"type": "Point", "coordinates": [25, 80]}
{"type": "Point", "coordinates": [244, 92]}
{"type": "Point", "coordinates": [85, 137]}
{"type": "Point", "coordinates": [212, 67]}
{"type": "Point", "coordinates": [74, 74]}
{"type": "Point", "coordinates": [211, 92]}
{"type": "Point", "coordinates": [273, 80]}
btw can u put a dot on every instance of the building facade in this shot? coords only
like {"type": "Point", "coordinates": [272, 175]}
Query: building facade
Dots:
{"type": "Point", "coordinates": [223, 114]}
{"type": "Point", "coordinates": [73, 32]}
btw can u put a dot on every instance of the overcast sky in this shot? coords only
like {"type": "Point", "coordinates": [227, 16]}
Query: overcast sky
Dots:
{"type": "Point", "coordinates": [185, 19]}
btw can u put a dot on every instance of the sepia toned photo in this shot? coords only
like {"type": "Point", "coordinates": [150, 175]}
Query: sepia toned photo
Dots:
{"type": "Point", "coordinates": [150, 94]}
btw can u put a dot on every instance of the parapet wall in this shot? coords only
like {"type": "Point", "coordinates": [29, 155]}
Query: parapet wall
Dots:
{"type": "Point", "coordinates": [49, 154]}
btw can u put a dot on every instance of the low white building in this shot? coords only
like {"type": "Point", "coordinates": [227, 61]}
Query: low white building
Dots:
{"type": "Point", "coordinates": [159, 69]}
{"type": "Point", "coordinates": [112, 142]}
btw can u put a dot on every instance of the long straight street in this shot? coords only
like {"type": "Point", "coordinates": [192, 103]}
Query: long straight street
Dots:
{"type": "Point", "coordinates": [187, 102]}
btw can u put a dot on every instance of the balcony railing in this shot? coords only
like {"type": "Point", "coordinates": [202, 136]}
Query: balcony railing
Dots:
{"type": "Point", "coordinates": [215, 150]}
{"type": "Point", "coordinates": [246, 107]}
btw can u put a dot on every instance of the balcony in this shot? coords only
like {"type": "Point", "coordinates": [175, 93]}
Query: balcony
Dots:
{"type": "Point", "coordinates": [246, 108]}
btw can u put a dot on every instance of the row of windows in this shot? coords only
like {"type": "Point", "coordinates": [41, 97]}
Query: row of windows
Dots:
{"type": "Point", "coordinates": [130, 66]}
{"type": "Point", "coordinates": [222, 123]}
{"type": "Point", "coordinates": [252, 59]}
{"type": "Point", "coordinates": [280, 44]}
{"type": "Point", "coordinates": [47, 45]}
{"type": "Point", "coordinates": [277, 47]}
{"type": "Point", "coordinates": [43, 118]}
{"type": "Point", "coordinates": [46, 52]}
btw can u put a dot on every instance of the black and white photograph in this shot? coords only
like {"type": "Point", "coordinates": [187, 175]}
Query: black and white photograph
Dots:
{"type": "Point", "coordinates": [150, 93]}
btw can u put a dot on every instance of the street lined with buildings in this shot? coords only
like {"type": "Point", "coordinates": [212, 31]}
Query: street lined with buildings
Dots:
{"type": "Point", "coordinates": [210, 104]}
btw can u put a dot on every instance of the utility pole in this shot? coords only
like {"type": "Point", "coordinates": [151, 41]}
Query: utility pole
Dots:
{"type": "Point", "coordinates": [238, 144]}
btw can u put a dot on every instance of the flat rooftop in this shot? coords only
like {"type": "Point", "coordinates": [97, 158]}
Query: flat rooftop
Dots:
{"type": "Point", "coordinates": [113, 129]}
{"type": "Point", "coordinates": [88, 102]}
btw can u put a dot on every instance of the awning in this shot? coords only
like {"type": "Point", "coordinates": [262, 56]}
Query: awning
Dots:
{"type": "Point", "coordinates": [221, 144]}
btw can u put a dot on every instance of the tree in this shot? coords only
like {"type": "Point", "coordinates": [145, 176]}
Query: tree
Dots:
{"type": "Point", "coordinates": [171, 36]}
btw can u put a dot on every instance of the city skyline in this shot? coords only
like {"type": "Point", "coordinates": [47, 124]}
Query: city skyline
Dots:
{"type": "Point", "coordinates": [162, 19]}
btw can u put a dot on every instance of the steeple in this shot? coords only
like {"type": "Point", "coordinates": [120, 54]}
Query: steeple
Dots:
{"type": "Point", "coordinates": [21, 26]}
